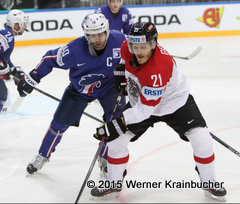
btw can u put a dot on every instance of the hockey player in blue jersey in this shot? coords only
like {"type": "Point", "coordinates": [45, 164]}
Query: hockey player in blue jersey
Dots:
{"type": "Point", "coordinates": [119, 17]}
{"type": "Point", "coordinates": [16, 24]}
{"type": "Point", "coordinates": [91, 60]}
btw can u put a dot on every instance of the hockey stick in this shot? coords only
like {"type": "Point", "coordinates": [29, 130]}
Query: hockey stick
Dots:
{"type": "Point", "coordinates": [58, 100]}
{"type": "Point", "coordinates": [98, 120]}
{"type": "Point", "coordinates": [225, 144]}
{"type": "Point", "coordinates": [14, 106]}
{"type": "Point", "coordinates": [17, 103]}
{"type": "Point", "coordinates": [196, 52]}
{"type": "Point", "coordinates": [99, 149]}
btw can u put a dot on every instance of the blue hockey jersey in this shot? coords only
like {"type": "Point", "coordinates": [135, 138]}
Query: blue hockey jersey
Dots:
{"type": "Point", "coordinates": [123, 20]}
{"type": "Point", "coordinates": [6, 45]}
{"type": "Point", "coordinates": [92, 76]}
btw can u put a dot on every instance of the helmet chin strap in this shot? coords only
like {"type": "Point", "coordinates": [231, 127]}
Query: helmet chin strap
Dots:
{"type": "Point", "coordinates": [17, 32]}
{"type": "Point", "coordinates": [93, 51]}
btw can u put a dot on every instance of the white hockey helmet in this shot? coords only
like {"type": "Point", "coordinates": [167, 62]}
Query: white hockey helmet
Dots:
{"type": "Point", "coordinates": [96, 23]}
{"type": "Point", "coordinates": [17, 16]}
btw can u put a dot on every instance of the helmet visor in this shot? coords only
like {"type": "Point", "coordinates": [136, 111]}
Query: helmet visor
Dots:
{"type": "Point", "coordinates": [98, 37]}
{"type": "Point", "coordinates": [139, 45]}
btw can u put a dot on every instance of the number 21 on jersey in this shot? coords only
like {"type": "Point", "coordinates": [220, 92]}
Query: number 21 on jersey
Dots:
{"type": "Point", "coordinates": [157, 80]}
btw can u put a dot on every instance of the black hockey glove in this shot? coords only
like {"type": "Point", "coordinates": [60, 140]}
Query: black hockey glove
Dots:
{"type": "Point", "coordinates": [27, 84]}
{"type": "Point", "coordinates": [5, 71]}
{"type": "Point", "coordinates": [120, 80]}
{"type": "Point", "coordinates": [111, 130]}
{"type": "Point", "coordinates": [17, 73]}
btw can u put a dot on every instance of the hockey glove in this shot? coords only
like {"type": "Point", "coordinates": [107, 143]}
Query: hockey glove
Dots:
{"type": "Point", "coordinates": [17, 73]}
{"type": "Point", "coordinates": [5, 71]}
{"type": "Point", "coordinates": [120, 80]}
{"type": "Point", "coordinates": [111, 130]}
{"type": "Point", "coordinates": [27, 84]}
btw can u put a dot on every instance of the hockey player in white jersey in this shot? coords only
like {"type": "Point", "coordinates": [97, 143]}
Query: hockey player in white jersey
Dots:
{"type": "Point", "coordinates": [158, 92]}
{"type": "Point", "coordinates": [17, 22]}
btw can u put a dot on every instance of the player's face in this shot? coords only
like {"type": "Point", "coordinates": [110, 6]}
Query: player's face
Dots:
{"type": "Point", "coordinates": [142, 51]}
{"type": "Point", "coordinates": [17, 28]}
{"type": "Point", "coordinates": [115, 5]}
{"type": "Point", "coordinates": [98, 40]}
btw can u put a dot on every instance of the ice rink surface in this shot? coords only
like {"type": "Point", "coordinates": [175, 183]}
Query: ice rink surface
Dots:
{"type": "Point", "coordinates": [158, 156]}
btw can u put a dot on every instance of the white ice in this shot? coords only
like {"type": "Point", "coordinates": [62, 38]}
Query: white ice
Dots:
{"type": "Point", "coordinates": [158, 156]}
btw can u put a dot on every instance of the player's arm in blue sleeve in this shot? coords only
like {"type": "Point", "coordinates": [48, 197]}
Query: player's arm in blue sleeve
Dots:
{"type": "Point", "coordinates": [3, 44]}
{"type": "Point", "coordinates": [56, 58]}
{"type": "Point", "coordinates": [128, 25]}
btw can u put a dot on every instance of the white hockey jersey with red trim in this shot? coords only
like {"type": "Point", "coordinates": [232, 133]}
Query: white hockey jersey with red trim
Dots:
{"type": "Point", "coordinates": [156, 88]}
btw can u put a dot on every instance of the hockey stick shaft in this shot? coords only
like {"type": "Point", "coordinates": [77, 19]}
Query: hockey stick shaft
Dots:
{"type": "Point", "coordinates": [196, 52]}
{"type": "Point", "coordinates": [120, 95]}
{"type": "Point", "coordinates": [225, 144]}
{"type": "Point", "coordinates": [99, 149]}
{"type": "Point", "coordinates": [58, 100]}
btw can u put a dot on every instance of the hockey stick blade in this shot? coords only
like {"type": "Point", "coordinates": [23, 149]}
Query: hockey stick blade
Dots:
{"type": "Point", "coordinates": [12, 108]}
{"type": "Point", "coordinates": [196, 52]}
{"type": "Point", "coordinates": [17, 103]}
